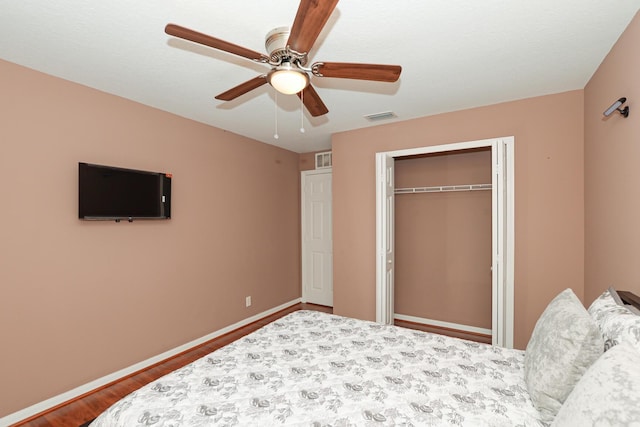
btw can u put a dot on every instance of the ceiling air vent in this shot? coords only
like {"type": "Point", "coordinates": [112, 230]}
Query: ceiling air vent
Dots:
{"type": "Point", "coordinates": [380, 116]}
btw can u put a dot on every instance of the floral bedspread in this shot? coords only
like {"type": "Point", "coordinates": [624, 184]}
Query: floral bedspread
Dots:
{"type": "Point", "coordinates": [315, 369]}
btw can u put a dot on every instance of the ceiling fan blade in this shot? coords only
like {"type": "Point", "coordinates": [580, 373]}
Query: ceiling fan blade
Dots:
{"type": "Point", "coordinates": [194, 36]}
{"type": "Point", "coordinates": [346, 70]}
{"type": "Point", "coordinates": [309, 21]}
{"type": "Point", "coordinates": [243, 88]}
{"type": "Point", "coordinates": [312, 101]}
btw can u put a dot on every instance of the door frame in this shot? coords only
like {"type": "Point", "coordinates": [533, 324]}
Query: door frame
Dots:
{"type": "Point", "coordinates": [502, 265]}
{"type": "Point", "coordinates": [303, 245]}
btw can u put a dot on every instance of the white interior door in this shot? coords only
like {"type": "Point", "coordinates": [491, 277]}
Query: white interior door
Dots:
{"type": "Point", "coordinates": [317, 243]}
{"type": "Point", "coordinates": [502, 231]}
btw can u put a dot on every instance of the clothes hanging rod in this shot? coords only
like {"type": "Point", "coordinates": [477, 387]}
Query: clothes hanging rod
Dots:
{"type": "Point", "coordinates": [443, 188]}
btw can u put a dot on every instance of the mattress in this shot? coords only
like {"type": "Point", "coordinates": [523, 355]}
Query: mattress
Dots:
{"type": "Point", "coordinates": [316, 369]}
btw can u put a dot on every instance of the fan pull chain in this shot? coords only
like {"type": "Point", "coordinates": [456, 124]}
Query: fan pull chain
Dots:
{"type": "Point", "coordinates": [275, 135]}
{"type": "Point", "coordinates": [301, 111]}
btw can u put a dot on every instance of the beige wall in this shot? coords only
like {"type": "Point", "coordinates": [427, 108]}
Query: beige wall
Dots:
{"type": "Point", "coordinates": [612, 171]}
{"type": "Point", "coordinates": [308, 160]}
{"type": "Point", "coordinates": [549, 225]}
{"type": "Point", "coordinates": [443, 240]}
{"type": "Point", "coordinates": [80, 300]}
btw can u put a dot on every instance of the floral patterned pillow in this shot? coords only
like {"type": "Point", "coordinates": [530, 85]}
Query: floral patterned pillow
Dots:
{"type": "Point", "coordinates": [616, 322]}
{"type": "Point", "coordinates": [608, 394]}
{"type": "Point", "coordinates": [564, 343]}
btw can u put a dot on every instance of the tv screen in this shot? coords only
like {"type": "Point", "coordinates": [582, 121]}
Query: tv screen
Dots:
{"type": "Point", "coordinates": [112, 193]}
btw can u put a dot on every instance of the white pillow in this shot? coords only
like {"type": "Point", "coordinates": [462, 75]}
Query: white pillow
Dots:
{"type": "Point", "coordinates": [616, 322]}
{"type": "Point", "coordinates": [608, 394]}
{"type": "Point", "coordinates": [564, 343]}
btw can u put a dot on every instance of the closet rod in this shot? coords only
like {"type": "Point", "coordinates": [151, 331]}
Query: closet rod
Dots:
{"type": "Point", "coordinates": [443, 188]}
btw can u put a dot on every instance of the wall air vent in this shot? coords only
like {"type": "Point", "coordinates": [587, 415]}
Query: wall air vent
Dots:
{"type": "Point", "coordinates": [324, 160]}
{"type": "Point", "coordinates": [380, 116]}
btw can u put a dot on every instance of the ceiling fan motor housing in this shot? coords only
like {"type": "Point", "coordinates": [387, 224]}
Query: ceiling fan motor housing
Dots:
{"type": "Point", "coordinates": [276, 43]}
{"type": "Point", "coordinates": [276, 46]}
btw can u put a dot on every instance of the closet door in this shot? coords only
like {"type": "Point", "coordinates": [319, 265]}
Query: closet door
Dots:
{"type": "Point", "coordinates": [385, 256]}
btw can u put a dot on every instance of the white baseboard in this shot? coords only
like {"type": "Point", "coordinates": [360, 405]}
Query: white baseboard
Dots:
{"type": "Point", "coordinates": [78, 391]}
{"type": "Point", "coordinates": [442, 324]}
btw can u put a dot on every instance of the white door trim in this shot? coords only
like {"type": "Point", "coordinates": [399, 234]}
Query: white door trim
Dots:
{"type": "Point", "coordinates": [303, 244]}
{"type": "Point", "coordinates": [502, 231]}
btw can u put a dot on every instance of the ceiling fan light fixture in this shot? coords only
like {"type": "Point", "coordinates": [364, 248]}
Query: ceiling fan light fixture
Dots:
{"type": "Point", "coordinates": [287, 79]}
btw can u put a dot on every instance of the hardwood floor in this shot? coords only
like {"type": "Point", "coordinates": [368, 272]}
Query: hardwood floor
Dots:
{"type": "Point", "coordinates": [471, 336]}
{"type": "Point", "coordinates": [91, 404]}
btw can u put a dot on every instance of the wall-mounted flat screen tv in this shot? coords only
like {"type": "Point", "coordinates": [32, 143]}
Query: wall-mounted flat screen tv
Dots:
{"type": "Point", "coordinates": [112, 193]}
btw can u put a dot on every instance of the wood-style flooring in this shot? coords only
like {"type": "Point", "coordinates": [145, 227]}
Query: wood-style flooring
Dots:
{"type": "Point", "coordinates": [91, 404]}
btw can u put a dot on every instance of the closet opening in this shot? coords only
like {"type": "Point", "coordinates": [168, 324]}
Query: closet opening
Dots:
{"type": "Point", "coordinates": [445, 237]}
{"type": "Point", "coordinates": [443, 240]}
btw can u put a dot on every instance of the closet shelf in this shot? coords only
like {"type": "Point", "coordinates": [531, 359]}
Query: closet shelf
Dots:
{"type": "Point", "coordinates": [443, 188]}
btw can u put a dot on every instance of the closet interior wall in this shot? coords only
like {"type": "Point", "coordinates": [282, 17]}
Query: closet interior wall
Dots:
{"type": "Point", "coordinates": [443, 239]}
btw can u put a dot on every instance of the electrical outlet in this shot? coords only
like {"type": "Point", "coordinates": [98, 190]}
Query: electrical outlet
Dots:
{"type": "Point", "coordinates": [248, 301]}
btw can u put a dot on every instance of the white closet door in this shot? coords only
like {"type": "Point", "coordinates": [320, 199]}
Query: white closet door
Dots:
{"type": "Point", "coordinates": [317, 243]}
{"type": "Point", "coordinates": [385, 256]}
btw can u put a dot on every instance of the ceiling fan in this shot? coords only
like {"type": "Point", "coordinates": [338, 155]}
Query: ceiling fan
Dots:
{"type": "Point", "coordinates": [288, 50]}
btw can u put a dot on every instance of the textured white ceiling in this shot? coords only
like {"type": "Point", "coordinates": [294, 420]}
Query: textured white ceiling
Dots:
{"type": "Point", "coordinates": [455, 54]}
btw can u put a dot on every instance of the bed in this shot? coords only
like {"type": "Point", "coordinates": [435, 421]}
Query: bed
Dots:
{"type": "Point", "coordinates": [315, 369]}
